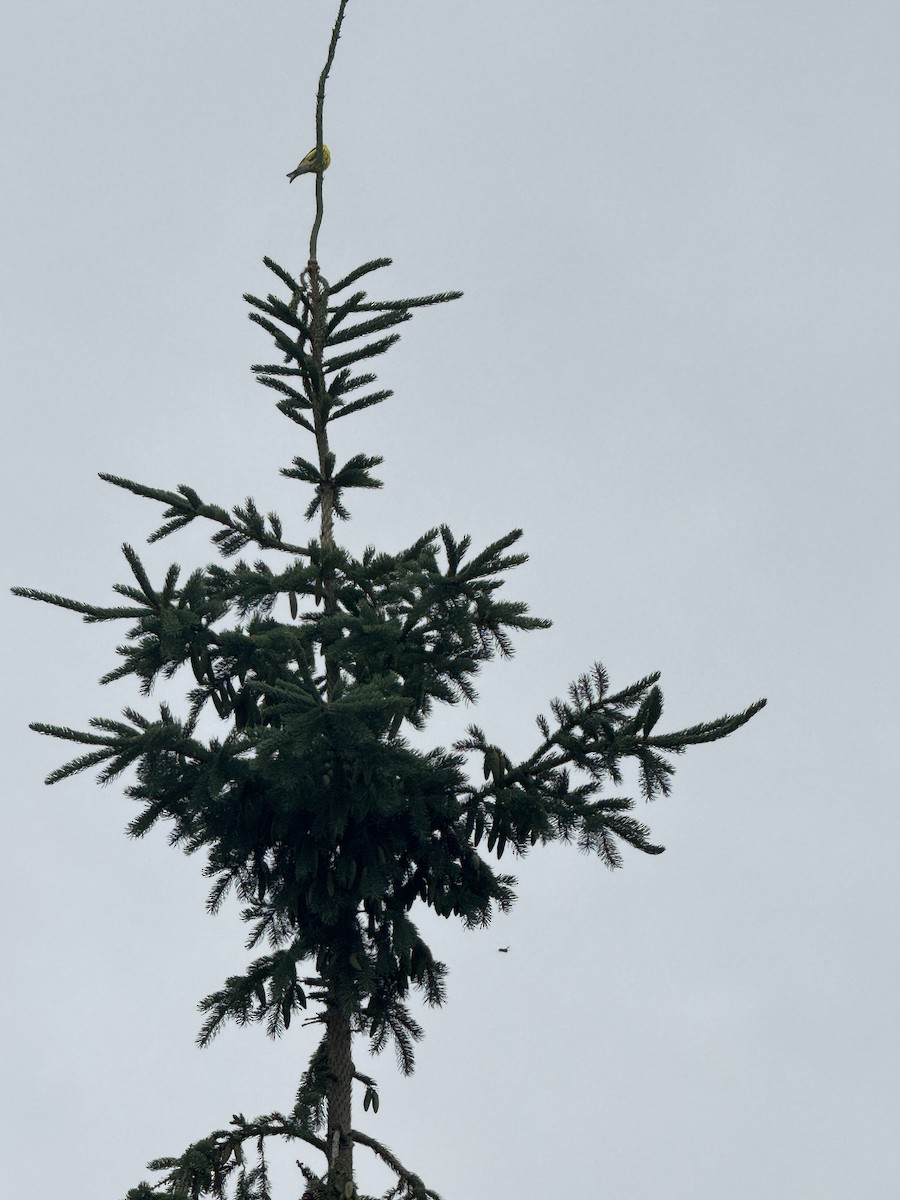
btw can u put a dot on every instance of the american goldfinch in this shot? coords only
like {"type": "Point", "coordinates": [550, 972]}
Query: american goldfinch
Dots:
{"type": "Point", "coordinates": [308, 164]}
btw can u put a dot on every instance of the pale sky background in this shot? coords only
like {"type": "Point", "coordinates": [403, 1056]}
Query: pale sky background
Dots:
{"type": "Point", "coordinates": [676, 365]}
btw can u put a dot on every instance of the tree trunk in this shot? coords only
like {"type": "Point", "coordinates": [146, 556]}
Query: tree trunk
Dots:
{"type": "Point", "coordinates": [339, 1091]}
{"type": "Point", "coordinates": [338, 1097]}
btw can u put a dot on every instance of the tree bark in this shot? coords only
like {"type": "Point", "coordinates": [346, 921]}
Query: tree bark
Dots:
{"type": "Point", "coordinates": [339, 1098]}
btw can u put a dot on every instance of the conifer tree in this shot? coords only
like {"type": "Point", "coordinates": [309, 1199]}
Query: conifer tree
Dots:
{"type": "Point", "coordinates": [311, 805]}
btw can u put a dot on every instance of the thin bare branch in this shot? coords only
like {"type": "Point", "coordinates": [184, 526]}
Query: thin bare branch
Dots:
{"type": "Point", "coordinates": [320, 107]}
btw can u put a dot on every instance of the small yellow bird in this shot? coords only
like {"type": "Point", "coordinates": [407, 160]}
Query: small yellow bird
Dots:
{"type": "Point", "coordinates": [308, 164]}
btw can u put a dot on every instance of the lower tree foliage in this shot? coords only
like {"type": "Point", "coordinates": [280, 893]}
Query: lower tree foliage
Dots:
{"type": "Point", "coordinates": [310, 805]}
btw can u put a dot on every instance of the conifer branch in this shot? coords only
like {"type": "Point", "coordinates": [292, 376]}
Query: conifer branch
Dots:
{"type": "Point", "coordinates": [416, 1189]}
{"type": "Point", "coordinates": [90, 612]}
{"type": "Point", "coordinates": [206, 1166]}
{"type": "Point", "coordinates": [413, 302]}
{"type": "Point", "coordinates": [185, 505]}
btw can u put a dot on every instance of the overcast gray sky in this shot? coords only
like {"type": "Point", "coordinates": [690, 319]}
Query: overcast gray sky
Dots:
{"type": "Point", "coordinates": [676, 366]}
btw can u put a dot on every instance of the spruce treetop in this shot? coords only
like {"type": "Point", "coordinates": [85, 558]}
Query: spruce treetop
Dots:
{"type": "Point", "coordinates": [309, 803]}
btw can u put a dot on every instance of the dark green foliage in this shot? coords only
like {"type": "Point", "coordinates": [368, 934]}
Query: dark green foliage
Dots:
{"type": "Point", "coordinates": [311, 805]}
